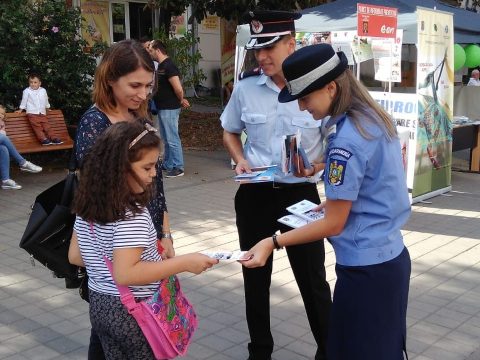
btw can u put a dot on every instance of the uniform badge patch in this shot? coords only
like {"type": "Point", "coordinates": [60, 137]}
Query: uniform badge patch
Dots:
{"type": "Point", "coordinates": [336, 172]}
{"type": "Point", "coordinates": [257, 26]}
{"type": "Point", "coordinates": [341, 152]}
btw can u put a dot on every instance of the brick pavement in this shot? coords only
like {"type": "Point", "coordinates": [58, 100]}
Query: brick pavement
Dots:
{"type": "Point", "coordinates": [39, 319]}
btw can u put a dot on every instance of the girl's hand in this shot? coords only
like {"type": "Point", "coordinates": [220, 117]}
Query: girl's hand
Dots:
{"type": "Point", "coordinates": [198, 263]}
{"type": "Point", "coordinates": [259, 254]}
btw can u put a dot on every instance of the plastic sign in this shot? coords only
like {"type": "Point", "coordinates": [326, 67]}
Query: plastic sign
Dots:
{"type": "Point", "coordinates": [376, 21]}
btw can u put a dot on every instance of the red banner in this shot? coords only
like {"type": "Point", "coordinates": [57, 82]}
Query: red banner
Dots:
{"type": "Point", "coordinates": [376, 21]}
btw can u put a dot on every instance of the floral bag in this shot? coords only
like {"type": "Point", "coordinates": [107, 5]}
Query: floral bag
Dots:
{"type": "Point", "coordinates": [167, 318]}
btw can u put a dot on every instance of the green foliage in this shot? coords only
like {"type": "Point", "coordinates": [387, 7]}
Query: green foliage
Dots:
{"type": "Point", "coordinates": [42, 37]}
{"type": "Point", "coordinates": [228, 9]}
{"type": "Point", "coordinates": [181, 51]}
{"type": "Point", "coordinates": [235, 9]}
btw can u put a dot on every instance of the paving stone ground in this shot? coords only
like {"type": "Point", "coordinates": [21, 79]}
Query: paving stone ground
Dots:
{"type": "Point", "coordinates": [40, 319]}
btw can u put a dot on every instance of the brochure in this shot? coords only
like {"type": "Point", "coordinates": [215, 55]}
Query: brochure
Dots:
{"type": "Point", "coordinates": [226, 255]}
{"type": "Point", "coordinates": [293, 221]}
{"type": "Point", "coordinates": [292, 146]}
{"type": "Point", "coordinates": [258, 174]}
{"type": "Point", "coordinates": [302, 213]}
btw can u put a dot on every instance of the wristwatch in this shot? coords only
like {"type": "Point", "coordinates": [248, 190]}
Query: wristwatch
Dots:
{"type": "Point", "coordinates": [166, 235]}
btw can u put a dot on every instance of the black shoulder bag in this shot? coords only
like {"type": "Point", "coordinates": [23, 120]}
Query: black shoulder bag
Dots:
{"type": "Point", "coordinates": [50, 226]}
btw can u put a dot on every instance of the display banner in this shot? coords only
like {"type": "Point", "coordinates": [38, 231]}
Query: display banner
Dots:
{"type": "Point", "coordinates": [376, 21]}
{"type": "Point", "coordinates": [435, 77]}
{"type": "Point", "coordinates": [403, 109]}
{"type": "Point", "coordinates": [96, 17]}
{"type": "Point", "coordinates": [228, 31]}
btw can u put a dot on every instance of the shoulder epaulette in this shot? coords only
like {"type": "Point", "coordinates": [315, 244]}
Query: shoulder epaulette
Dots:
{"type": "Point", "coordinates": [245, 74]}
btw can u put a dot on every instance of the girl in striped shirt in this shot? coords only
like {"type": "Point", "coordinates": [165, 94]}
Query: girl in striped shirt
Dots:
{"type": "Point", "coordinates": [112, 220]}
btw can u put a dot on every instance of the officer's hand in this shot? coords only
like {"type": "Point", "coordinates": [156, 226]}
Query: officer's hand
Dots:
{"type": "Point", "coordinates": [242, 167]}
{"type": "Point", "coordinates": [259, 254]}
{"type": "Point", "coordinates": [300, 170]}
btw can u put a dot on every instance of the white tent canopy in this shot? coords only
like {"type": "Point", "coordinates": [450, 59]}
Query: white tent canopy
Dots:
{"type": "Point", "coordinates": [342, 15]}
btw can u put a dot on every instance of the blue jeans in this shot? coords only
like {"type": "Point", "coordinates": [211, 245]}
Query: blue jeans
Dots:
{"type": "Point", "coordinates": [168, 126]}
{"type": "Point", "coordinates": [7, 149]}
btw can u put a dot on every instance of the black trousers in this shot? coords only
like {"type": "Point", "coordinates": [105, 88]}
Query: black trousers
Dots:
{"type": "Point", "coordinates": [258, 206]}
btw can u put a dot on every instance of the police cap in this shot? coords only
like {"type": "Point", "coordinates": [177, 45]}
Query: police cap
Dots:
{"type": "Point", "coordinates": [268, 26]}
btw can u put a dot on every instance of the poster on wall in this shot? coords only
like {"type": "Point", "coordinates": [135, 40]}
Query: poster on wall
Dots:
{"type": "Point", "coordinates": [228, 32]}
{"type": "Point", "coordinates": [403, 109]}
{"type": "Point", "coordinates": [178, 25]}
{"type": "Point", "coordinates": [435, 77]}
{"type": "Point", "coordinates": [376, 21]}
{"type": "Point", "coordinates": [387, 55]}
{"type": "Point", "coordinates": [342, 41]}
{"type": "Point", "coordinates": [210, 23]}
{"type": "Point", "coordinates": [96, 17]}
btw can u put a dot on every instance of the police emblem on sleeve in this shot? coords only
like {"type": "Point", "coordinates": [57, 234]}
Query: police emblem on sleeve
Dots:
{"type": "Point", "coordinates": [336, 172]}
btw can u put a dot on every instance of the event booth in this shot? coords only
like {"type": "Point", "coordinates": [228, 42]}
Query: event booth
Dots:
{"type": "Point", "coordinates": [420, 96]}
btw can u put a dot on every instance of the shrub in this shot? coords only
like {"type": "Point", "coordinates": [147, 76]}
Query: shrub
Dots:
{"type": "Point", "coordinates": [42, 37]}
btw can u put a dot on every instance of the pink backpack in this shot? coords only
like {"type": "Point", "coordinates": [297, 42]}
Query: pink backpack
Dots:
{"type": "Point", "coordinates": [167, 318]}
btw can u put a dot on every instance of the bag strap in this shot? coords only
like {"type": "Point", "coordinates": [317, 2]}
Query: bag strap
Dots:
{"type": "Point", "coordinates": [126, 295]}
{"type": "Point", "coordinates": [68, 189]}
{"type": "Point", "coordinates": [72, 164]}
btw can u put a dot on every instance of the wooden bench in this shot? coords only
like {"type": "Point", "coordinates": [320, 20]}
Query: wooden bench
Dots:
{"type": "Point", "coordinates": [22, 136]}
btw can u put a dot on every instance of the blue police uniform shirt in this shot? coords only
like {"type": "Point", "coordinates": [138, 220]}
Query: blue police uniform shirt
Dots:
{"type": "Point", "coordinates": [369, 173]}
{"type": "Point", "coordinates": [254, 107]}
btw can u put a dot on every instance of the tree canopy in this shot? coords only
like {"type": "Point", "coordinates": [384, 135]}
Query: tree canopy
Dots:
{"type": "Point", "coordinates": [228, 9]}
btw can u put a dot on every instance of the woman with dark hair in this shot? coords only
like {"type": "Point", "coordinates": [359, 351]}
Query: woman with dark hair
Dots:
{"type": "Point", "coordinates": [367, 205]}
{"type": "Point", "coordinates": [123, 83]}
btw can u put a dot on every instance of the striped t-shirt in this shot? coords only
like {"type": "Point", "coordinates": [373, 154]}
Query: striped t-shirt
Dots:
{"type": "Point", "coordinates": [133, 232]}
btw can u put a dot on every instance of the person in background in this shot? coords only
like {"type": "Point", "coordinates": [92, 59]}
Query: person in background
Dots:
{"type": "Point", "coordinates": [123, 82]}
{"type": "Point", "coordinates": [367, 205]}
{"type": "Point", "coordinates": [254, 107]}
{"type": "Point", "coordinates": [113, 221]}
{"type": "Point", "coordinates": [35, 103]}
{"type": "Point", "coordinates": [474, 80]}
{"type": "Point", "coordinates": [152, 108]}
{"type": "Point", "coordinates": [169, 100]}
{"type": "Point", "coordinates": [7, 150]}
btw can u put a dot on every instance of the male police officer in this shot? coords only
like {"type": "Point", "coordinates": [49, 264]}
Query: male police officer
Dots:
{"type": "Point", "coordinates": [254, 107]}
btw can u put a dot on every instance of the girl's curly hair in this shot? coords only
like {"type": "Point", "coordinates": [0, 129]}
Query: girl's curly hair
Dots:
{"type": "Point", "coordinates": [103, 194]}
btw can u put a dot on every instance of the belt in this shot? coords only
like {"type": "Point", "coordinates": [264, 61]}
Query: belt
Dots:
{"type": "Point", "coordinates": [279, 185]}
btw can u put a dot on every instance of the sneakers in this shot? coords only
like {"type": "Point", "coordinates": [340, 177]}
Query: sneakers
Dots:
{"type": "Point", "coordinates": [9, 184]}
{"type": "Point", "coordinates": [54, 141]}
{"type": "Point", "coordinates": [29, 167]}
{"type": "Point", "coordinates": [175, 172]}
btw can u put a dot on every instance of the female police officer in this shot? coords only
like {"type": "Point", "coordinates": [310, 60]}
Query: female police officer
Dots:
{"type": "Point", "coordinates": [367, 204]}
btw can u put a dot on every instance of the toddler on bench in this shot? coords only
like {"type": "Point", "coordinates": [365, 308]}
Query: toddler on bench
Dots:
{"type": "Point", "coordinates": [35, 102]}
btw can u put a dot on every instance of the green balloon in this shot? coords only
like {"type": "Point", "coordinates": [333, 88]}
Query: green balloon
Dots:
{"type": "Point", "coordinates": [459, 57]}
{"type": "Point", "coordinates": [472, 53]}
